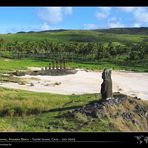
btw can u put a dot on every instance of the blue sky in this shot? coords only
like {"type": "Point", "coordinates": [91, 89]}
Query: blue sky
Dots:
{"type": "Point", "coordinates": [14, 19]}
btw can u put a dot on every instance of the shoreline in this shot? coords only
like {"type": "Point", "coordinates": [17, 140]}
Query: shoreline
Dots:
{"type": "Point", "coordinates": [85, 82]}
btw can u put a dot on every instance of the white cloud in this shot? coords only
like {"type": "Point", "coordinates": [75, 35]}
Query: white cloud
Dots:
{"type": "Point", "coordinates": [138, 14]}
{"type": "Point", "coordinates": [104, 8]}
{"type": "Point", "coordinates": [68, 10]}
{"type": "Point", "coordinates": [102, 12]}
{"type": "Point", "coordinates": [115, 23]}
{"type": "Point", "coordinates": [51, 14]}
{"type": "Point", "coordinates": [136, 25]}
{"type": "Point", "coordinates": [127, 9]}
{"type": "Point", "coordinates": [141, 15]}
{"type": "Point", "coordinates": [101, 15]}
{"type": "Point", "coordinates": [112, 19]}
{"type": "Point", "coordinates": [45, 26]}
{"type": "Point", "coordinates": [90, 26]}
{"type": "Point", "coordinates": [54, 15]}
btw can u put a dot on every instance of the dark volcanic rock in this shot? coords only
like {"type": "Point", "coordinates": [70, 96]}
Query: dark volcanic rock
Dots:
{"type": "Point", "coordinates": [46, 71]}
{"type": "Point", "coordinates": [54, 72]}
{"type": "Point", "coordinates": [19, 73]}
{"type": "Point", "coordinates": [121, 107]}
{"type": "Point", "coordinates": [127, 116]}
{"type": "Point", "coordinates": [140, 110]}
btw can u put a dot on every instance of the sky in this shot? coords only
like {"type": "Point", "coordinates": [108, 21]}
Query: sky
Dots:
{"type": "Point", "coordinates": [15, 19]}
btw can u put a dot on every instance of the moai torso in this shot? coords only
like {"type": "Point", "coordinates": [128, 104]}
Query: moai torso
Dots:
{"type": "Point", "coordinates": [53, 64]}
{"type": "Point", "coordinates": [49, 66]}
{"type": "Point", "coordinates": [60, 64]}
{"type": "Point", "coordinates": [64, 64]}
{"type": "Point", "coordinates": [56, 64]}
{"type": "Point", "coordinates": [106, 86]}
{"type": "Point", "coordinates": [45, 68]}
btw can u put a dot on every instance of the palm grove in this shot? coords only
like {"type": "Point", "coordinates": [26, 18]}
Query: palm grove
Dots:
{"type": "Point", "coordinates": [85, 50]}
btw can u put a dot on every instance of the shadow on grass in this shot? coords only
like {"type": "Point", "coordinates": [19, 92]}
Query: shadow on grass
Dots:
{"type": "Point", "coordinates": [61, 109]}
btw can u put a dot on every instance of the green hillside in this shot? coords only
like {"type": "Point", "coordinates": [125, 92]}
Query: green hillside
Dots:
{"type": "Point", "coordinates": [119, 46]}
{"type": "Point", "coordinates": [142, 30]}
{"type": "Point", "coordinates": [79, 36]}
{"type": "Point", "coordinates": [24, 111]}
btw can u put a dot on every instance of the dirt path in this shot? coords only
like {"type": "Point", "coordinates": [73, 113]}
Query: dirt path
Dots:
{"type": "Point", "coordinates": [130, 83]}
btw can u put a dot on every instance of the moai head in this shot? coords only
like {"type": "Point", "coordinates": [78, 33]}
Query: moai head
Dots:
{"type": "Point", "coordinates": [56, 64]}
{"type": "Point", "coordinates": [45, 68]}
{"type": "Point", "coordinates": [60, 64]}
{"type": "Point", "coordinates": [106, 74]}
{"type": "Point", "coordinates": [53, 65]}
{"type": "Point", "coordinates": [64, 64]}
{"type": "Point", "coordinates": [106, 86]}
{"type": "Point", "coordinates": [49, 66]}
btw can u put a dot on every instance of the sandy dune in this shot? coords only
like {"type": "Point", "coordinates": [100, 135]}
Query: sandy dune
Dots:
{"type": "Point", "coordinates": [130, 83]}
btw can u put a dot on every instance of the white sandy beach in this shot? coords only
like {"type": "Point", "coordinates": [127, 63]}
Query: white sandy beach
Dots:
{"type": "Point", "coordinates": [130, 83]}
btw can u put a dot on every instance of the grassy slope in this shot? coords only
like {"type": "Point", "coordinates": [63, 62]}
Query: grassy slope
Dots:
{"type": "Point", "coordinates": [13, 64]}
{"type": "Point", "coordinates": [75, 35]}
{"type": "Point", "coordinates": [27, 111]}
{"type": "Point", "coordinates": [36, 112]}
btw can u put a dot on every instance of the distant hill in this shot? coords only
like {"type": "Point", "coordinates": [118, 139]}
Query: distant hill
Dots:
{"type": "Point", "coordinates": [141, 30]}
{"type": "Point", "coordinates": [21, 32]}
{"type": "Point", "coordinates": [118, 35]}
{"type": "Point", "coordinates": [58, 30]}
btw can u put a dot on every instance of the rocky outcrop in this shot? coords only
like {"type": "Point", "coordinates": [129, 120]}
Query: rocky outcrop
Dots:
{"type": "Point", "coordinates": [132, 112]}
{"type": "Point", "coordinates": [45, 71]}
{"type": "Point", "coordinates": [53, 72]}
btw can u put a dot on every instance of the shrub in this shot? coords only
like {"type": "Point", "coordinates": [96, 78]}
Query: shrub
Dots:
{"type": "Point", "coordinates": [16, 111]}
{"type": "Point", "coordinates": [57, 83]}
{"type": "Point", "coordinates": [22, 83]}
{"type": "Point", "coordinates": [80, 117]}
{"type": "Point", "coordinates": [31, 84]}
{"type": "Point", "coordinates": [7, 112]}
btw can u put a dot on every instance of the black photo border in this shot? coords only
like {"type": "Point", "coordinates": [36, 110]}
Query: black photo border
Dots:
{"type": "Point", "coordinates": [73, 3]}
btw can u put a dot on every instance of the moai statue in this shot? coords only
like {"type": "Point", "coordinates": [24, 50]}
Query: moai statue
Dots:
{"type": "Point", "coordinates": [60, 64]}
{"type": "Point", "coordinates": [42, 69]}
{"type": "Point", "coordinates": [106, 86]}
{"type": "Point", "coordinates": [16, 72]}
{"type": "Point", "coordinates": [45, 68]}
{"type": "Point", "coordinates": [56, 64]}
{"type": "Point", "coordinates": [64, 64]}
{"type": "Point", "coordinates": [53, 65]}
{"type": "Point", "coordinates": [49, 66]}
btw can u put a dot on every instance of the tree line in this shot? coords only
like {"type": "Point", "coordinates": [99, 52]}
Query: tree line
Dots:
{"type": "Point", "coordinates": [72, 50]}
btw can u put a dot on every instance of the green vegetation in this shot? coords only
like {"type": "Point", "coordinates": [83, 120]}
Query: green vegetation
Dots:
{"type": "Point", "coordinates": [91, 50]}
{"type": "Point", "coordinates": [7, 65]}
{"type": "Point", "coordinates": [22, 64]}
{"type": "Point", "coordinates": [28, 111]}
{"type": "Point", "coordinates": [74, 35]}
{"type": "Point", "coordinates": [121, 49]}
